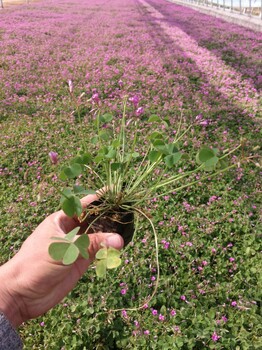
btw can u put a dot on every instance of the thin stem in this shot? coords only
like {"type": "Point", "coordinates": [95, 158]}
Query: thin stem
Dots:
{"type": "Point", "coordinates": [157, 263]}
{"type": "Point", "coordinates": [196, 181]}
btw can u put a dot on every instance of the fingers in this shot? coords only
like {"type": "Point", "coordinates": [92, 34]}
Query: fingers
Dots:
{"type": "Point", "coordinates": [85, 201]}
{"type": "Point", "coordinates": [108, 239]}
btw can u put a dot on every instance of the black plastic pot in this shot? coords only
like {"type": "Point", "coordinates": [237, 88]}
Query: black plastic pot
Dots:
{"type": "Point", "coordinates": [123, 224]}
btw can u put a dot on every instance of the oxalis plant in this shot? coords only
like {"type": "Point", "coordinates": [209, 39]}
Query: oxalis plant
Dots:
{"type": "Point", "coordinates": [130, 169]}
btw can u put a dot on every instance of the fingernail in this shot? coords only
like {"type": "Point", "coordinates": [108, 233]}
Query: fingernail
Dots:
{"type": "Point", "coordinates": [115, 241]}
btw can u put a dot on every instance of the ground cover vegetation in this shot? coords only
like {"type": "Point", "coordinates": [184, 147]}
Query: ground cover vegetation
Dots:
{"type": "Point", "coordinates": [59, 63]}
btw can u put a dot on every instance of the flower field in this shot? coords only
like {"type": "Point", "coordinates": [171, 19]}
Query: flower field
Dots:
{"type": "Point", "coordinates": [58, 57]}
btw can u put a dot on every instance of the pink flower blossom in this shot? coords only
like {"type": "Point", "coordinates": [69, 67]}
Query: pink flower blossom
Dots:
{"type": "Point", "coordinates": [215, 337]}
{"type": "Point", "coordinates": [161, 317]}
{"type": "Point", "coordinates": [53, 157]}
{"type": "Point", "coordinates": [173, 312]}
{"type": "Point", "coordinates": [139, 111]}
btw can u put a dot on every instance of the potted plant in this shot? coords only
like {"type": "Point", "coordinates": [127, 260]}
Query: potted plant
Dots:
{"type": "Point", "coordinates": [131, 168]}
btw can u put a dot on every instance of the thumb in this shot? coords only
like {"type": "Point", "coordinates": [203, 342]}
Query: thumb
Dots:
{"type": "Point", "coordinates": [108, 239]}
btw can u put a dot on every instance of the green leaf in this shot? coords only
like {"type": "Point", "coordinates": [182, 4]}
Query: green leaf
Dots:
{"type": "Point", "coordinates": [104, 135]}
{"type": "Point", "coordinates": [94, 140]}
{"type": "Point", "coordinates": [83, 159]}
{"type": "Point", "coordinates": [101, 268]}
{"type": "Point", "coordinates": [65, 252]}
{"type": "Point", "coordinates": [111, 153]}
{"type": "Point", "coordinates": [63, 176]}
{"type": "Point", "coordinates": [172, 159]}
{"type": "Point", "coordinates": [205, 154]}
{"type": "Point", "coordinates": [71, 254]}
{"type": "Point", "coordinates": [57, 250]}
{"type": "Point", "coordinates": [71, 235]}
{"type": "Point", "coordinates": [106, 118]}
{"type": "Point", "coordinates": [82, 190]}
{"type": "Point", "coordinates": [154, 118]}
{"type": "Point", "coordinates": [113, 262]}
{"type": "Point", "coordinates": [102, 253]}
{"type": "Point", "coordinates": [112, 252]}
{"type": "Point", "coordinates": [155, 136]}
{"type": "Point", "coordinates": [153, 156]}
{"type": "Point", "coordinates": [66, 194]}
{"type": "Point", "coordinates": [82, 244]}
{"type": "Point", "coordinates": [171, 148]}
{"type": "Point", "coordinates": [135, 155]}
{"type": "Point", "coordinates": [115, 166]}
{"type": "Point", "coordinates": [72, 206]}
{"type": "Point", "coordinates": [73, 171]}
{"type": "Point", "coordinates": [211, 162]}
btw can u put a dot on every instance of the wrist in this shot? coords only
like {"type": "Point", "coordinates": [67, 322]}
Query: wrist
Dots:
{"type": "Point", "coordinates": [10, 303]}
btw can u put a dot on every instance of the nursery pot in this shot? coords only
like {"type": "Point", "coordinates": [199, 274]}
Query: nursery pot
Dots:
{"type": "Point", "coordinates": [114, 219]}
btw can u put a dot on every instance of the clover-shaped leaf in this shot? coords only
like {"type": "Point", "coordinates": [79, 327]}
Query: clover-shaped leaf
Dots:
{"type": "Point", "coordinates": [207, 157]}
{"type": "Point", "coordinates": [67, 250]}
{"type": "Point", "coordinates": [72, 206]}
{"type": "Point", "coordinates": [108, 258]}
{"type": "Point", "coordinates": [172, 159]}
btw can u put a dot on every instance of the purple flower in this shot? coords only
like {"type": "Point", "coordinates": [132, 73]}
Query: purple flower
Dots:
{"type": "Point", "coordinates": [53, 157]}
{"type": "Point", "coordinates": [173, 312]}
{"type": "Point", "coordinates": [134, 100]}
{"type": "Point", "coordinates": [161, 317]}
{"type": "Point", "coordinates": [136, 323]}
{"type": "Point", "coordinates": [224, 318]}
{"type": "Point", "coordinates": [215, 337]}
{"type": "Point", "coordinates": [124, 313]}
{"type": "Point", "coordinates": [95, 97]}
{"type": "Point", "coordinates": [139, 111]}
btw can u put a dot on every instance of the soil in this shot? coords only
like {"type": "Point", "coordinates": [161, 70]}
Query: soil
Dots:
{"type": "Point", "coordinates": [113, 220]}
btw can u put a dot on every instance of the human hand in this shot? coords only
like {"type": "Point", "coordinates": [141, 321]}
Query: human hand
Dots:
{"type": "Point", "coordinates": [32, 282]}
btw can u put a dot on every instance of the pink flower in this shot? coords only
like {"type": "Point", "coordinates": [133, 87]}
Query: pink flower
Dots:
{"type": "Point", "coordinates": [146, 332]}
{"type": "Point", "coordinates": [204, 263]}
{"type": "Point", "coordinates": [139, 111]}
{"type": "Point", "coordinates": [224, 318]}
{"type": "Point", "coordinates": [124, 313]}
{"type": "Point", "coordinates": [136, 323]}
{"type": "Point", "coordinates": [215, 337]}
{"type": "Point", "coordinates": [234, 303]}
{"type": "Point", "coordinates": [134, 100]}
{"type": "Point", "coordinates": [183, 297]}
{"type": "Point", "coordinates": [53, 157]}
{"type": "Point", "coordinates": [95, 97]}
{"type": "Point", "coordinates": [154, 312]}
{"type": "Point", "coordinates": [173, 312]}
{"type": "Point", "coordinates": [161, 317]}
{"type": "Point", "coordinates": [123, 291]}
{"type": "Point", "coordinates": [231, 259]}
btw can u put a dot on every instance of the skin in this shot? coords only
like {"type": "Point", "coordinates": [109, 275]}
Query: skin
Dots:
{"type": "Point", "coordinates": [32, 282]}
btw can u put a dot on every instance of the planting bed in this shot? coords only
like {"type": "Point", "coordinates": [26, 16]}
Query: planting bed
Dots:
{"type": "Point", "coordinates": [174, 61]}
